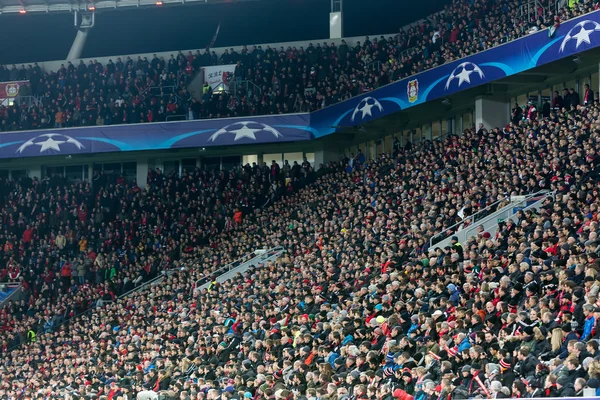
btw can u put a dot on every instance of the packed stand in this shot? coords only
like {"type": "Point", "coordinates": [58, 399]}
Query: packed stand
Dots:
{"type": "Point", "coordinates": [77, 245]}
{"type": "Point", "coordinates": [360, 307]}
{"type": "Point", "coordinates": [284, 80]}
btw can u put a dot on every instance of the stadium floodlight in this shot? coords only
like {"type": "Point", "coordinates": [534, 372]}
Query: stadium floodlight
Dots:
{"type": "Point", "coordinates": [67, 6]}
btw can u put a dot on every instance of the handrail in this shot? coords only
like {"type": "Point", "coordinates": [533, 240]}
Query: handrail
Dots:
{"type": "Point", "coordinates": [442, 235]}
{"type": "Point", "coordinates": [542, 194]}
{"type": "Point", "coordinates": [404, 53]}
{"type": "Point", "coordinates": [160, 277]}
{"type": "Point", "coordinates": [16, 292]}
{"type": "Point", "coordinates": [234, 264]}
{"type": "Point", "coordinates": [374, 65]}
{"type": "Point", "coordinates": [234, 85]}
{"type": "Point", "coordinates": [11, 283]}
{"type": "Point", "coordinates": [472, 216]}
{"type": "Point", "coordinates": [93, 305]}
{"type": "Point", "coordinates": [177, 117]}
{"type": "Point", "coordinates": [161, 89]}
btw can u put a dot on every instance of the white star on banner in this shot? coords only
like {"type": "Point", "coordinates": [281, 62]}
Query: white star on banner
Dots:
{"type": "Point", "coordinates": [50, 144]}
{"type": "Point", "coordinates": [245, 132]}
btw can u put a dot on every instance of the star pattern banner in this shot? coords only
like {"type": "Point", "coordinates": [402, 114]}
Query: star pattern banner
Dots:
{"type": "Point", "coordinates": [159, 136]}
{"type": "Point", "coordinates": [570, 38]}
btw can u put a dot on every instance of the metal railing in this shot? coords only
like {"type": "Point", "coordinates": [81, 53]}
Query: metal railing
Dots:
{"type": "Point", "coordinates": [488, 218]}
{"type": "Point", "coordinates": [15, 295]}
{"type": "Point", "coordinates": [154, 281]}
{"type": "Point", "coordinates": [99, 303]}
{"type": "Point", "coordinates": [472, 218]}
{"type": "Point", "coordinates": [530, 10]}
{"type": "Point", "coordinates": [178, 117]}
{"type": "Point", "coordinates": [534, 200]}
{"type": "Point", "coordinates": [160, 90]}
{"type": "Point", "coordinates": [405, 53]}
{"type": "Point", "coordinates": [374, 66]}
{"type": "Point", "coordinates": [21, 101]}
{"type": "Point", "coordinates": [257, 256]}
{"type": "Point", "coordinates": [246, 87]}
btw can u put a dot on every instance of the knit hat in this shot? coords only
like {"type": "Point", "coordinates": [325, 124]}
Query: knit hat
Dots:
{"type": "Point", "coordinates": [504, 364]}
{"type": "Point", "coordinates": [389, 358]}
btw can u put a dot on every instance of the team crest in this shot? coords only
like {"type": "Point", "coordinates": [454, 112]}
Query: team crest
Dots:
{"type": "Point", "coordinates": [412, 89]}
{"type": "Point", "coordinates": [12, 89]}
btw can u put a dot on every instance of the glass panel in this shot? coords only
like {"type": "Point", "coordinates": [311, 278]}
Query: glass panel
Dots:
{"type": "Point", "coordinates": [379, 147]}
{"type": "Point", "coordinates": [406, 137]}
{"type": "Point", "coordinates": [546, 95]}
{"type": "Point", "coordinates": [445, 128]}
{"type": "Point", "coordinates": [188, 165]}
{"type": "Point", "coordinates": [230, 162]}
{"type": "Point", "coordinates": [86, 172]}
{"type": "Point", "coordinates": [389, 143]}
{"type": "Point", "coordinates": [249, 159]}
{"type": "Point", "coordinates": [558, 88]}
{"type": "Point", "coordinates": [310, 157]}
{"type": "Point", "coordinates": [372, 150]}
{"type": "Point", "coordinates": [55, 171]}
{"type": "Point", "coordinates": [18, 173]}
{"type": "Point", "coordinates": [522, 100]}
{"type": "Point", "coordinates": [212, 163]}
{"type": "Point", "coordinates": [594, 83]}
{"type": "Point", "coordinates": [74, 173]}
{"type": "Point", "coordinates": [130, 171]}
{"type": "Point", "coordinates": [571, 84]}
{"type": "Point", "coordinates": [277, 157]}
{"type": "Point", "coordinates": [291, 157]}
{"type": "Point", "coordinates": [467, 120]}
{"type": "Point", "coordinates": [112, 168]}
{"type": "Point", "coordinates": [436, 130]}
{"type": "Point", "coordinates": [426, 132]}
{"type": "Point", "coordinates": [171, 167]}
{"type": "Point", "coordinates": [4, 173]}
{"type": "Point", "coordinates": [417, 135]}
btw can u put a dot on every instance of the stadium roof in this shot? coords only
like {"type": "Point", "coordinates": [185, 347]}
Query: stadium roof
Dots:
{"type": "Point", "coordinates": [48, 6]}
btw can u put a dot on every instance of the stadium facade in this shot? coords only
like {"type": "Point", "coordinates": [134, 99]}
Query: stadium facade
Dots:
{"type": "Point", "coordinates": [426, 106]}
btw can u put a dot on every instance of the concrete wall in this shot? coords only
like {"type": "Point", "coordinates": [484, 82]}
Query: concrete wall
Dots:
{"type": "Point", "coordinates": [491, 112]}
{"type": "Point", "coordinates": [324, 156]}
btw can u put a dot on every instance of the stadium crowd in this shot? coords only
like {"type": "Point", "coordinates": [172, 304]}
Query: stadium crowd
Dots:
{"type": "Point", "coordinates": [360, 307]}
{"type": "Point", "coordinates": [74, 244]}
{"type": "Point", "coordinates": [285, 80]}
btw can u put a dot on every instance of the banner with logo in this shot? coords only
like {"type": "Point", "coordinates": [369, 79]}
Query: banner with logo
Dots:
{"type": "Point", "coordinates": [10, 90]}
{"type": "Point", "coordinates": [219, 76]}
{"type": "Point", "coordinates": [156, 136]}
{"type": "Point", "coordinates": [561, 41]}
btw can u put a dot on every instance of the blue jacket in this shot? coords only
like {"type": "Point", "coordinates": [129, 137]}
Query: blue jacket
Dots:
{"type": "Point", "coordinates": [464, 345]}
{"type": "Point", "coordinates": [563, 349]}
{"type": "Point", "coordinates": [588, 326]}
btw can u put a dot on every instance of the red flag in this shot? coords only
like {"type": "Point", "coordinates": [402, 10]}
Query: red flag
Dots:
{"type": "Point", "coordinates": [214, 39]}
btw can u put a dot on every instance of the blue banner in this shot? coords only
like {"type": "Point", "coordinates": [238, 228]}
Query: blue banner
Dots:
{"type": "Point", "coordinates": [159, 136]}
{"type": "Point", "coordinates": [572, 37]}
